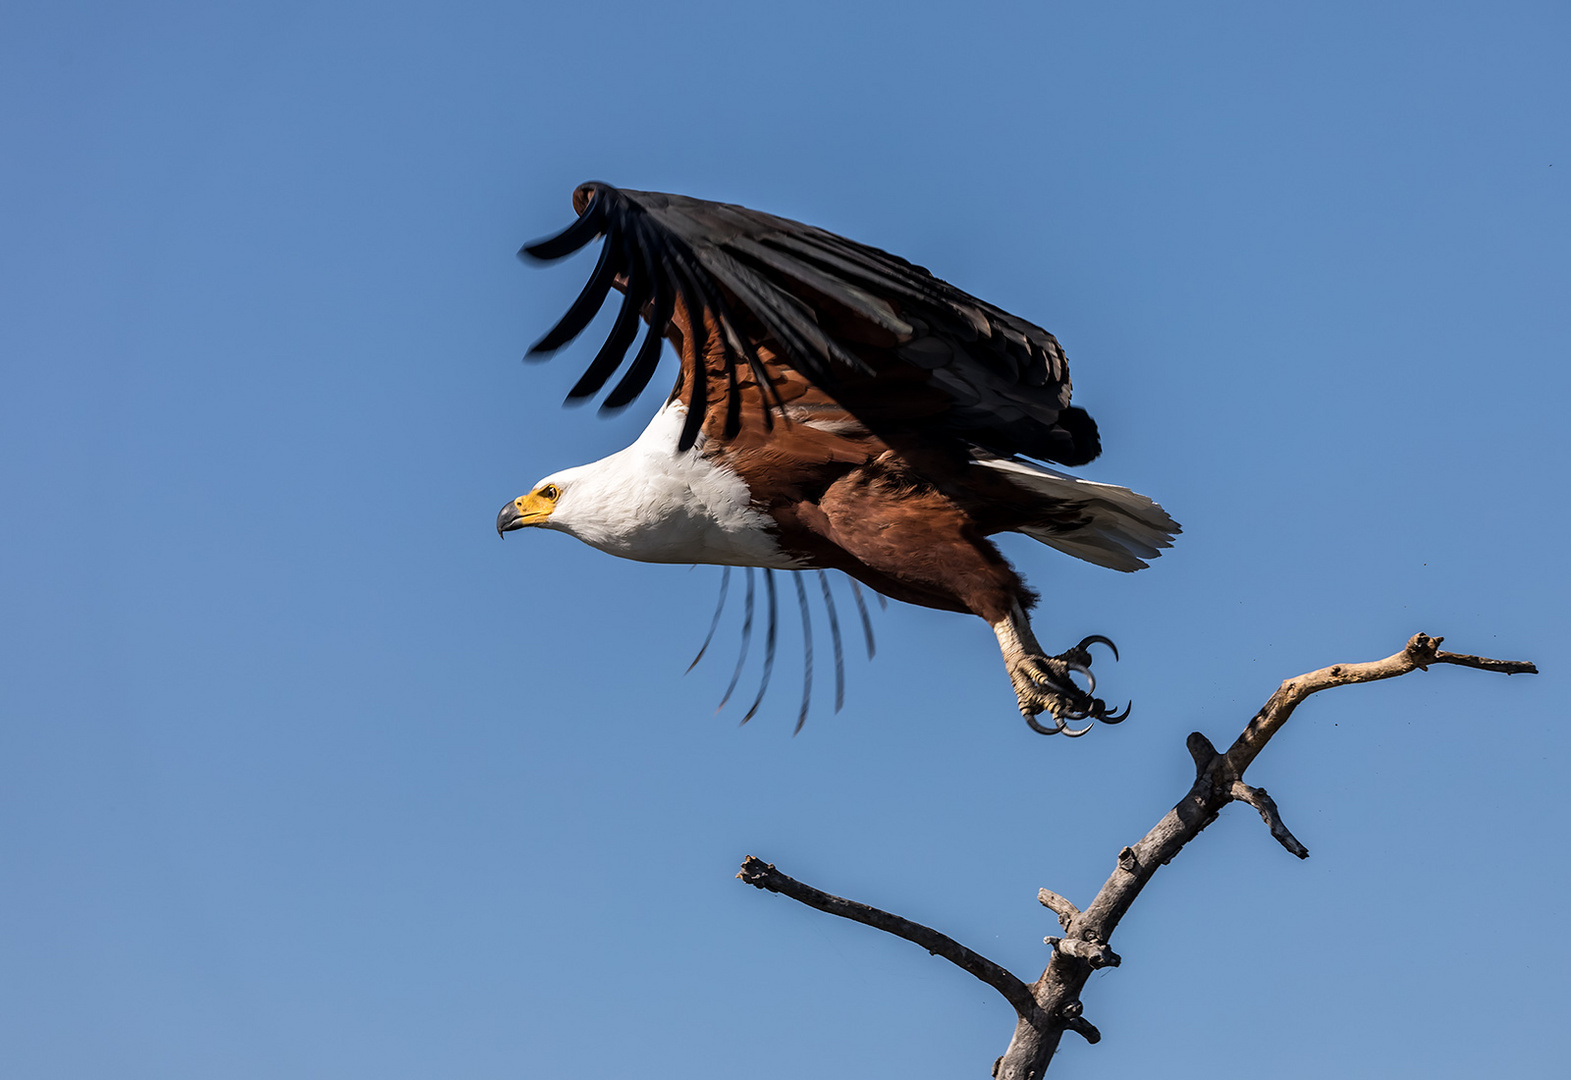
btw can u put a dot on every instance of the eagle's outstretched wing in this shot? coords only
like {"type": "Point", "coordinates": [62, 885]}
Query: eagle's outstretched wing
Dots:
{"type": "Point", "coordinates": [894, 345]}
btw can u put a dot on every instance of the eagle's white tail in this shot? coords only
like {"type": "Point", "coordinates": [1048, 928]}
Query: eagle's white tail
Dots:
{"type": "Point", "coordinates": [1110, 525]}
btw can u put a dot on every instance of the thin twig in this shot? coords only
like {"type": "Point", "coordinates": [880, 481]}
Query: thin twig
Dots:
{"type": "Point", "coordinates": [1084, 1028]}
{"type": "Point", "coordinates": [1269, 814]}
{"type": "Point", "coordinates": [1059, 906]}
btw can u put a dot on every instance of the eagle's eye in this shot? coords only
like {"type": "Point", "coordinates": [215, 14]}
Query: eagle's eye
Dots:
{"type": "Point", "coordinates": [550, 491]}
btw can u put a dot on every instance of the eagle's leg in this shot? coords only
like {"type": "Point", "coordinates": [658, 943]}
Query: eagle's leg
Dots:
{"type": "Point", "coordinates": [927, 551]}
{"type": "Point", "coordinates": [1045, 683]}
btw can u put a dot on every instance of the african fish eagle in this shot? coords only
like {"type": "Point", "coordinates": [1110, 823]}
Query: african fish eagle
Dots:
{"type": "Point", "coordinates": [837, 408]}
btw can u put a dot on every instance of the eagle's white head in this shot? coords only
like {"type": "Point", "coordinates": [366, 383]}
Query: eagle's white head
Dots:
{"type": "Point", "coordinates": [652, 503]}
{"type": "Point", "coordinates": [595, 503]}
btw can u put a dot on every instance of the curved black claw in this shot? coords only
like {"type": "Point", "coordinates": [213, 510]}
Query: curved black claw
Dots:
{"type": "Point", "coordinates": [1117, 718]}
{"type": "Point", "coordinates": [1060, 727]}
{"type": "Point", "coordinates": [1047, 686]}
{"type": "Point", "coordinates": [1096, 639]}
{"type": "Point", "coordinates": [1082, 669]}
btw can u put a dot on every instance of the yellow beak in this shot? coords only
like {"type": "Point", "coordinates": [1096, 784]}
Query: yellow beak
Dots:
{"type": "Point", "coordinates": [522, 511]}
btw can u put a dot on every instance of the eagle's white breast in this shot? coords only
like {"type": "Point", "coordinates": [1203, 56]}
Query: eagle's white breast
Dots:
{"type": "Point", "coordinates": [651, 503]}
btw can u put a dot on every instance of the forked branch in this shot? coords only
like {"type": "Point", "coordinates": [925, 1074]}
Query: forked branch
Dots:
{"type": "Point", "coordinates": [1050, 1006]}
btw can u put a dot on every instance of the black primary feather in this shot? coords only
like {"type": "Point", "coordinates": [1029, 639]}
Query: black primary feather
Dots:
{"type": "Point", "coordinates": [825, 285]}
{"type": "Point", "coordinates": [747, 638]}
{"type": "Point", "coordinates": [789, 319]}
{"type": "Point", "coordinates": [623, 331]}
{"type": "Point", "coordinates": [588, 226]}
{"type": "Point", "coordinates": [769, 643]}
{"type": "Point", "coordinates": [698, 394]}
{"type": "Point", "coordinates": [733, 404]}
{"type": "Point", "coordinates": [861, 609]}
{"type": "Point", "coordinates": [736, 345]}
{"type": "Point", "coordinates": [834, 640]}
{"type": "Point", "coordinates": [807, 653]}
{"type": "Point", "coordinates": [644, 364]}
{"type": "Point", "coordinates": [725, 585]}
{"type": "Point", "coordinates": [583, 309]}
{"type": "Point", "coordinates": [835, 637]}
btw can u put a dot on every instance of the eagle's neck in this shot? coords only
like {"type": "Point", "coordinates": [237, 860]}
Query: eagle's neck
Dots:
{"type": "Point", "coordinates": [652, 503]}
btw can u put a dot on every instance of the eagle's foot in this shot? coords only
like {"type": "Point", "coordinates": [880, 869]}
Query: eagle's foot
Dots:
{"type": "Point", "coordinates": [1046, 684]}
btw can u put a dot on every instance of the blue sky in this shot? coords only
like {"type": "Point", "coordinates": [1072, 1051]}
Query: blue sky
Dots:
{"type": "Point", "coordinates": [306, 774]}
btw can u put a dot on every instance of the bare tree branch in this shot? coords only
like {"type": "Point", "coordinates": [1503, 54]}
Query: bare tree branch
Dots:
{"type": "Point", "coordinates": [763, 875]}
{"type": "Point", "coordinates": [1084, 1028]}
{"type": "Point", "coordinates": [1421, 651]}
{"type": "Point", "coordinates": [1095, 954]}
{"type": "Point", "coordinates": [1264, 803]}
{"type": "Point", "coordinates": [1065, 911]}
{"type": "Point", "coordinates": [1050, 1006]}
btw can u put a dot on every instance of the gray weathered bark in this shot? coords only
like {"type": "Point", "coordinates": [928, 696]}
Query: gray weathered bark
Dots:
{"type": "Point", "coordinates": [1050, 1006]}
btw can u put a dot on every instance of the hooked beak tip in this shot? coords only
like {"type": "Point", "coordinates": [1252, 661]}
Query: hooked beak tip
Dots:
{"type": "Point", "coordinates": [509, 519]}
